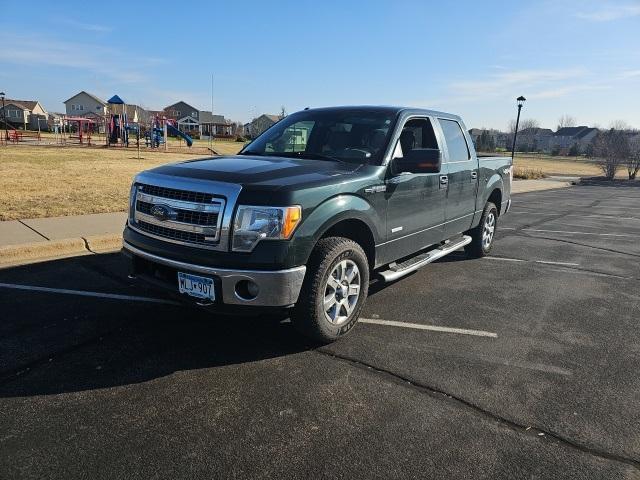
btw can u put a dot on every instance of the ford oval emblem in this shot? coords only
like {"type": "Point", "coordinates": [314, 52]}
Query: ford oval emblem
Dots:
{"type": "Point", "coordinates": [162, 212]}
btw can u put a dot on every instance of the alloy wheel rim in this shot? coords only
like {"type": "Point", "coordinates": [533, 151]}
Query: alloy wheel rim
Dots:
{"type": "Point", "coordinates": [341, 292]}
{"type": "Point", "coordinates": [488, 229]}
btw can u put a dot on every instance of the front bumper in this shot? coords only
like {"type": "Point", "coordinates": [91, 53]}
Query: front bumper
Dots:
{"type": "Point", "coordinates": [276, 288]}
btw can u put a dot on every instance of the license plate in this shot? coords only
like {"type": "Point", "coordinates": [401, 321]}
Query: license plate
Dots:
{"type": "Point", "coordinates": [195, 286]}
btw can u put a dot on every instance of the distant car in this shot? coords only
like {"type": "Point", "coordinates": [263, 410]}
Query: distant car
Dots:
{"type": "Point", "coordinates": [308, 211]}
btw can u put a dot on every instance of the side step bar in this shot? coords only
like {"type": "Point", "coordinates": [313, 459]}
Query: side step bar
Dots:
{"type": "Point", "coordinates": [397, 270]}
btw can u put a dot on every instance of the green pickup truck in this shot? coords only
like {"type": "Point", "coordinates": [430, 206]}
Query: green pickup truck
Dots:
{"type": "Point", "coordinates": [308, 212]}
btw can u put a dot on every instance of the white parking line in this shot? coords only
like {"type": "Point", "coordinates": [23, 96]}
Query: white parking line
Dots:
{"type": "Point", "coordinates": [84, 293]}
{"type": "Point", "coordinates": [506, 259]}
{"type": "Point", "coordinates": [433, 328]}
{"type": "Point", "coordinates": [545, 262]}
{"type": "Point", "coordinates": [549, 262]}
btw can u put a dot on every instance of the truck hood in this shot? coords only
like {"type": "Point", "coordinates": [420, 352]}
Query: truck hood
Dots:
{"type": "Point", "coordinates": [260, 173]}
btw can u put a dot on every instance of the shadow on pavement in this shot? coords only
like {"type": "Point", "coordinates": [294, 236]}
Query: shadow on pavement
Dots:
{"type": "Point", "coordinates": [603, 182]}
{"type": "Point", "coordinates": [55, 343]}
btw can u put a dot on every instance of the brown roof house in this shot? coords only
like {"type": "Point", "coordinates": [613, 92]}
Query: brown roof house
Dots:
{"type": "Point", "coordinates": [24, 114]}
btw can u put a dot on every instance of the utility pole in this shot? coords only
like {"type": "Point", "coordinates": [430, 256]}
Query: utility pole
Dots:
{"type": "Point", "coordinates": [520, 101]}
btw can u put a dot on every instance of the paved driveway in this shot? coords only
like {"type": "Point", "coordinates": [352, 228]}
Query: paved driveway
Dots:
{"type": "Point", "coordinates": [521, 365]}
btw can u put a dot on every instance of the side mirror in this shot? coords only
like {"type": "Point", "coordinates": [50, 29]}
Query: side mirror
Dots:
{"type": "Point", "coordinates": [419, 160]}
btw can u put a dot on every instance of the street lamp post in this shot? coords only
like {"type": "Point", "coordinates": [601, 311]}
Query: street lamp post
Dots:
{"type": "Point", "coordinates": [520, 101]}
{"type": "Point", "coordinates": [4, 118]}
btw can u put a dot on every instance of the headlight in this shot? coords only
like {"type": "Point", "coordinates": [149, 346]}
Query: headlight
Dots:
{"type": "Point", "coordinates": [132, 201]}
{"type": "Point", "coordinates": [253, 224]}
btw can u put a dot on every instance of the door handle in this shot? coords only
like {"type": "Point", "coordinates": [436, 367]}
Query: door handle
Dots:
{"type": "Point", "coordinates": [444, 179]}
{"type": "Point", "coordinates": [474, 175]}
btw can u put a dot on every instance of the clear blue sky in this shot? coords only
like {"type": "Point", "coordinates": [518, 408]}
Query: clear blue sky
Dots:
{"type": "Point", "coordinates": [575, 57]}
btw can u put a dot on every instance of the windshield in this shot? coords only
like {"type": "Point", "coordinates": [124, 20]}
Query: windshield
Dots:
{"type": "Point", "coordinates": [357, 136]}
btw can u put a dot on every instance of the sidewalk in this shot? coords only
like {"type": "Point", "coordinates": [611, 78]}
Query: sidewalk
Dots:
{"type": "Point", "coordinates": [39, 239]}
{"type": "Point", "coordinates": [523, 186]}
{"type": "Point", "coordinates": [30, 240]}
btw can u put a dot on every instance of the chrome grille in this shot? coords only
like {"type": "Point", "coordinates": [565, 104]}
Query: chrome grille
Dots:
{"type": "Point", "coordinates": [186, 217]}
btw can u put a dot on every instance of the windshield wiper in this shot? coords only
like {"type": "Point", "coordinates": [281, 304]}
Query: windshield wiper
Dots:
{"type": "Point", "coordinates": [250, 152]}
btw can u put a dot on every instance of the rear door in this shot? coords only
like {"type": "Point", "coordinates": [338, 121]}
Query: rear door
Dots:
{"type": "Point", "coordinates": [462, 178]}
{"type": "Point", "coordinates": [415, 208]}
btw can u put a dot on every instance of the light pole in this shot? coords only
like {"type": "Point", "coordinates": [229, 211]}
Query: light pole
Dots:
{"type": "Point", "coordinates": [520, 101]}
{"type": "Point", "coordinates": [4, 118]}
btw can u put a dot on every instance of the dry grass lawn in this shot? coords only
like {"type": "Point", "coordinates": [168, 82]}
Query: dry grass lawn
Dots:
{"type": "Point", "coordinates": [549, 165]}
{"type": "Point", "coordinates": [52, 181]}
{"type": "Point", "coordinates": [39, 181]}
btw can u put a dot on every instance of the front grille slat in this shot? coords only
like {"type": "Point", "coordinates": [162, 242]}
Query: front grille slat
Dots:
{"type": "Point", "coordinates": [174, 194]}
{"type": "Point", "coordinates": [210, 219]}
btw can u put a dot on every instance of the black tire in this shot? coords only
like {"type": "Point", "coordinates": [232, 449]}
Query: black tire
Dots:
{"type": "Point", "coordinates": [478, 247]}
{"type": "Point", "coordinates": [309, 316]}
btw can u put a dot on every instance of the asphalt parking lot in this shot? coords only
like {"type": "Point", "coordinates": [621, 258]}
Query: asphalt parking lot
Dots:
{"type": "Point", "coordinates": [521, 365]}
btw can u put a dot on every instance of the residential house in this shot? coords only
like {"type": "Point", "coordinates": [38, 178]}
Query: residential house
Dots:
{"type": "Point", "coordinates": [54, 119]}
{"type": "Point", "coordinates": [186, 117]}
{"type": "Point", "coordinates": [567, 137]}
{"type": "Point", "coordinates": [214, 125]}
{"type": "Point", "coordinates": [84, 104]}
{"type": "Point", "coordinates": [534, 139]}
{"type": "Point", "coordinates": [261, 123]}
{"type": "Point", "coordinates": [24, 114]}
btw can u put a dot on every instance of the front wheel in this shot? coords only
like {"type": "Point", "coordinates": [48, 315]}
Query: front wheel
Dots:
{"type": "Point", "coordinates": [334, 290]}
{"type": "Point", "coordinates": [482, 236]}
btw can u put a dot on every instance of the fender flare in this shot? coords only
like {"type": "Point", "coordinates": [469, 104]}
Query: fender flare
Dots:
{"type": "Point", "coordinates": [332, 211]}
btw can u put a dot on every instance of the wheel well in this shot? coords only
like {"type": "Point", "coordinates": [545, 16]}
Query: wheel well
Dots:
{"type": "Point", "coordinates": [496, 198]}
{"type": "Point", "coordinates": [359, 232]}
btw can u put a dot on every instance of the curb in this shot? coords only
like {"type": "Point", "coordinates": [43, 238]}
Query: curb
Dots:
{"type": "Point", "coordinates": [27, 253]}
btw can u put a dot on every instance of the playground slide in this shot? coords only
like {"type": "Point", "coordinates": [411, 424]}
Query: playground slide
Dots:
{"type": "Point", "coordinates": [171, 130]}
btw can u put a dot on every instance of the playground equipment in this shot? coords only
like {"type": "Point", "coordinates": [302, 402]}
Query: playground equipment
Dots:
{"type": "Point", "coordinates": [118, 125]}
{"type": "Point", "coordinates": [83, 129]}
{"type": "Point", "coordinates": [174, 131]}
{"type": "Point", "coordinates": [15, 136]}
{"type": "Point", "coordinates": [160, 128]}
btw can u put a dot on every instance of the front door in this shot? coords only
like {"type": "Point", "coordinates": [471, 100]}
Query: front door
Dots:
{"type": "Point", "coordinates": [415, 208]}
{"type": "Point", "coordinates": [462, 177]}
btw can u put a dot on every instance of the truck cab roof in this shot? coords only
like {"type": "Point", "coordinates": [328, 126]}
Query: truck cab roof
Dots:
{"type": "Point", "coordinates": [393, 109]}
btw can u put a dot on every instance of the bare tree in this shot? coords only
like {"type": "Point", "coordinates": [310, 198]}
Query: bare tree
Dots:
{"type": "Point", "coordinates": [283, 112]}
{"type": "Point", "coordinates": [566, 121]}
{"type": "Point", "coordinates": [620, 125]}
{"type": "Point", "coordinates": [611, 148]}
{"type": "Point", "coordinates": [525, 135]}
{"type": "Point", "coordinates": [633, 160]}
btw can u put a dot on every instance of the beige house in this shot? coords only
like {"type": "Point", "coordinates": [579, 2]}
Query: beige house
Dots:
{"type": "Point", "coordinates": [24, 114]}
{"type": "Point", "coordinates": [83, 103]}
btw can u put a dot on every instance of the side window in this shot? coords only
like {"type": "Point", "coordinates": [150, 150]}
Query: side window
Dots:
{"type": "Point", "coordinates": [456, 143]}
{"type": "Point", "coordinates": [416, 133]}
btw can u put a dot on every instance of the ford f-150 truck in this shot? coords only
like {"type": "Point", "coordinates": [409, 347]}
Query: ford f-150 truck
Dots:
{"type": "Point", "coordinates": [313, 208]}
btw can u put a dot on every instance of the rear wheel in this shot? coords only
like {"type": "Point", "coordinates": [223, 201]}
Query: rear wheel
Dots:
{"type": "Point", "coordinates": [334, 290]}
{"type": "Point", "coordinates": [482, 236]}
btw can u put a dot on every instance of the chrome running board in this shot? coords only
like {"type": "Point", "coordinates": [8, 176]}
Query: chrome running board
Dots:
{"type": "Point", "coordinates": [398, 270]}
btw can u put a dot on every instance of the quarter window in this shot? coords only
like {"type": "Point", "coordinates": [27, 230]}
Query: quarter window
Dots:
{"type": "Point", "coordinates": [456, 142]}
